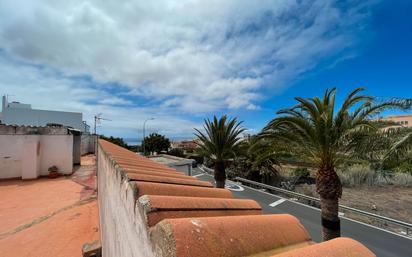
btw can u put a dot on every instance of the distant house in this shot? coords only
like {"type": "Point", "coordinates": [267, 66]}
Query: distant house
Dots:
{"type": "Point", "coordinates": [15, 113]}
{"type": "Point", "coordinates": [400, 120]}
{"type": "Point", "coordinates": [185, 144]}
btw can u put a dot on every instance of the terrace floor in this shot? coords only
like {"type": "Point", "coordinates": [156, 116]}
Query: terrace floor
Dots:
{"type": "Point", "coordinates": [49, 217]}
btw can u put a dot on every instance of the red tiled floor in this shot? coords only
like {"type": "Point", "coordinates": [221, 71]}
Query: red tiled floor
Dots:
{"type": "Point", "coordinates": [23, 201]}
{"type": "Point", "coordinates": [49, 217]}
{"type": "Point", "coordinates": [62, 235]}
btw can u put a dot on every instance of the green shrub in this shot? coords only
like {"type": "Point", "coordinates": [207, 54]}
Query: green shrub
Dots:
{"type": "Point", "coordinates": [301, 173]}
{"type": "Point", "coordinates": [176, 152]}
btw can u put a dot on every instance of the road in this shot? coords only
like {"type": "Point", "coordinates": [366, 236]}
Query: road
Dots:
{"type": "Point", "coordinates": [381, 242]}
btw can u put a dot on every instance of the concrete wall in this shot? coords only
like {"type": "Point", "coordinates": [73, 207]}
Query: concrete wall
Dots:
{"type": "Point", "coordinates": [33, 117]}
{"type": "Point", "coordinates": [87, 144]}
{"type": "Point", "coordinates": [29, 156]}
{"type": "Point", "coordinates": [77, 139]}
{"type": "Point", "coordinates": [122, 226]}
{"type": "Point", "coordinates": [56, 150]}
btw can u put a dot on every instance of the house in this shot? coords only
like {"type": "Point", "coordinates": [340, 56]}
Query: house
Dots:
{"type": "Point", "coordinates": [400, 120]}
{"type": "Point", "coordinates": [16, 113]}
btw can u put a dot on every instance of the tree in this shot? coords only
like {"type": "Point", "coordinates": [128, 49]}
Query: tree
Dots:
{"type": "Point", "coordinates": [257, 160]}
{"type": "Point", "coordinates": [317, 130]}
{"type": "Point", "coordinates": [156, 143]}
{"type": "Point", "coordinates": [220, 142]}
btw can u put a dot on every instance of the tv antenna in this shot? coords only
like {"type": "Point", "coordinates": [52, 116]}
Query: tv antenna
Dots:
{"type": "Point", "coordinates": [97, 119]}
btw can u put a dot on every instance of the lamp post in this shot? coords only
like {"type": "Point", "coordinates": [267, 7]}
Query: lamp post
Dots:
{"type": "Point", "coordinates": [144, 134]}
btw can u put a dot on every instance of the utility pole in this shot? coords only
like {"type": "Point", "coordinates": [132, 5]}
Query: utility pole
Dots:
{"type": "Point", "coordinates": [144, 134]}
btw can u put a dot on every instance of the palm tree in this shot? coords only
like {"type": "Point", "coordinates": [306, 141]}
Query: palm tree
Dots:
{"type": "Point", "coordinates": [315, 129]}
{"type": "Point", "coordinates": [220, 142]}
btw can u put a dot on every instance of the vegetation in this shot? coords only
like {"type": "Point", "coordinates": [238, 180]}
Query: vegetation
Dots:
{"type": "Point", "coordinates": [155, 143]}
{"type": "Point", "coordinates": [220, 142]}
{"type": "Point", "coordinates": [327, 136]}
{"type": "Point", "coordinates": [120, 142]}
{"type": "Point", "coordinates": [257, 160]}
{"type": "Point", "coordinates": [177, 152]}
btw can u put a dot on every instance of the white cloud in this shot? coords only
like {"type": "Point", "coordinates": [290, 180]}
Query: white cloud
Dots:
{"type": "Point", "coordinates": [185, 56]}
{"type": "Point", "coordinates": [204, 55]}
{"type": "Point", "coordinates": [40, 88]}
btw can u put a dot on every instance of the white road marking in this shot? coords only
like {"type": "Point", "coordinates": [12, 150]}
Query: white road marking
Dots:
{"type": "Point", "coordinates": [198, 175]}
{"type": "Point", "coordinates": [234, 187]}
{"type": "Point", "coordinates": [277, 202]}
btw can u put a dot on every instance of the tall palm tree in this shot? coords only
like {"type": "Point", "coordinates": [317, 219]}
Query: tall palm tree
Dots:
{"type": "Point", "coordinates": [320, 132]}
{"type": "Point", "coordinates": [220, 142]}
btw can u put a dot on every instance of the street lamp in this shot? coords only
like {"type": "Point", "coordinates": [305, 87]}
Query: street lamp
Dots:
{"type": "Point", "coordinates": [144, 134]}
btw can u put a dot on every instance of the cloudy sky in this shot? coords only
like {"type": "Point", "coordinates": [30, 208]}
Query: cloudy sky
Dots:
{"type": "Point", "coordinates": [182, 61]}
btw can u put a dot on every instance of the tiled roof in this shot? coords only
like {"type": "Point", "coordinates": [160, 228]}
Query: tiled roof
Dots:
{"type": "Point", "coordinates": [187, 217]}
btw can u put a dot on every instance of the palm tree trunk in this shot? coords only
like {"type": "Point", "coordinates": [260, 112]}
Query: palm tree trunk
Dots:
{"type": "Point", "coordinates": [330, 218]}
{"type": "Point", "coordinates": [329, 187]}
{"type": "Point", "coordinates": [220, 174]}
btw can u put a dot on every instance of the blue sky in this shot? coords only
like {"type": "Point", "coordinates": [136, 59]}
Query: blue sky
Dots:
{"type": "Point", "coordinates": [183, 61]}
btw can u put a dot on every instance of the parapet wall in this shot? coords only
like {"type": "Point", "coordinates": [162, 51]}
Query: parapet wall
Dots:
{"type": "Point", "coordinates": [151, 210]}
{"type": "Point", "coordinates": [124, 232]}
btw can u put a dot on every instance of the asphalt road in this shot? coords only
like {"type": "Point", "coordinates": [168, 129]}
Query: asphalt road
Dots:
{"type": "Point", "coordinates": [381, 242]}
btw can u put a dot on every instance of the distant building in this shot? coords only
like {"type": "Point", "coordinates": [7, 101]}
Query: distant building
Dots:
{"type": "Point", "coordinates": [400, 120]}
{"type": "Point", "coordinates": [185, 144]}
{"type": "Point", "coordinates": [16, 113]}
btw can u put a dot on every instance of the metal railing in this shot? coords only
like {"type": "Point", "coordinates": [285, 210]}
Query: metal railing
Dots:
{"type": "Point", "coordinates": [402, 224]}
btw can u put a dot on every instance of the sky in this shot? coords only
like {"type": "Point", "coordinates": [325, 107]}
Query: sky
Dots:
{"type": "Point", "coordinates": [182, 61]}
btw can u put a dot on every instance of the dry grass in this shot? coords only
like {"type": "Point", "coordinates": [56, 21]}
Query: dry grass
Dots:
{"type": "Point", "coordinates": [389, 201]}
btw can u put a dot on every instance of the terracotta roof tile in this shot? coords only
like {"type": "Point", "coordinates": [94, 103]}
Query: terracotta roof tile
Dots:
{"type": "Point", "coordinates": [227, 236]}
{"type": "Point", "coordinates": [189, 218]}
{"type": "Point", "coordinates": [150, 188]}
{"type": "Point", "coordinates": [160, 174]}
{"type": "Point", "coordinates": [333, 248]}
{"type": "Point", "coordinates": [158, 207]}
{"type": "Point", "coordinates": [163, 179]}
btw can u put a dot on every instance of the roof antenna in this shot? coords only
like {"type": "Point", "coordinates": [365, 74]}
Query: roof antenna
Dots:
{"type": "Point", "coordinates": [97, 119]}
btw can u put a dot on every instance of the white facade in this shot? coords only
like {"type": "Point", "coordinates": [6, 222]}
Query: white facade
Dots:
{"type": "Point", "coordinates": [30, 156]}
{"type": "Point", "coordinates": [15, 113]}
{"type": "Point", "coordinates": [28, 152]}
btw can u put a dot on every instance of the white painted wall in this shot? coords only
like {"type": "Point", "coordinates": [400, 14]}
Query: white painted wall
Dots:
{"type": "Point", "coordinates": [11, 148]}
{"type": "Point", "coordinates": [29, 156]}
{"type": "Point", "coordinates": [122, 225]}
{"type": "Point", "coordinates": [56, 150]}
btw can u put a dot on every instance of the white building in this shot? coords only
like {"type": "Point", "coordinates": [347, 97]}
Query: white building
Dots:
{"type": "Point", "coordinates": [16, 113]}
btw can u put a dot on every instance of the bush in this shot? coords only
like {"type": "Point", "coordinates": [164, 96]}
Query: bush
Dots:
{"type": "Point", "coordinates": [177, 152]}
{"type": "Point", "coordinates": [404, 168]}
{"type": "Point", "coordinates": [357, 175]}
{"type": "Point", "coordinates": [301, 173]}
{"type": "Point", "coordinates": [402, 179]}
{"type": "Point", "coordinates": [361, 175]}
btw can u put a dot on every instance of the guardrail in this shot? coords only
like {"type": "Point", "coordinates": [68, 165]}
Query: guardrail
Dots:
{"type": "Point", "coordinates": [402, 224]}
